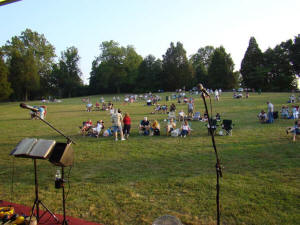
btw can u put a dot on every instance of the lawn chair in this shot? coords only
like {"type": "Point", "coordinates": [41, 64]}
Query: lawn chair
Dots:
{"type": "Point", "coordinates": [227, 126]}
{"type": "Point", "coordinates": [275, 115]}
{"type": "Point", "coordinates": [172, 115]}
{"type": "Point", "coordinates": [197, 116]}
{"type": "Point", "coordinates": [213, 127]}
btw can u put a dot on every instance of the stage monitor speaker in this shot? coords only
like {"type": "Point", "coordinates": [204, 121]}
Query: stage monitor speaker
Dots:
{"type": "Point", "coordinates": [62, 155]}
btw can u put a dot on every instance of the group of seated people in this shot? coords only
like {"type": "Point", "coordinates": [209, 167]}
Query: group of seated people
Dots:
{"type": "Point", "coordinates": [196, 116]}
{"type": "Point", "coordinates": [146, 128]}
{"type": "Point", "coordinates": [160, 109]}
{"type": "Point", "coordinates": [286, 113]}
{"type": "Point", "coordinates": [107, 106]}
{"type": "Point", "coordinates": [88, 129]}
{"type": "Point", "coordinates": [104, 107]}
{"type": "Point", "coordinates": [237, 95]}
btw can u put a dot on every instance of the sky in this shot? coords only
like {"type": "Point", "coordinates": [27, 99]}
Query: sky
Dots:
{"type": "Point", "coordinates": [151, 25]}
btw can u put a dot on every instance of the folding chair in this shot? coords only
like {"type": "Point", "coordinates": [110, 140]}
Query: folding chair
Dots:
{"type": "Point", "coordinates": [227, 126]}
{"type": "Point", "coordinates": [197, 116]}
{"type": "Point", "coordinates": [275, 115]}
{"type": "Point", "coordinates": [172, 115]}
{"type": "Point", "coordinates": [213, 127]}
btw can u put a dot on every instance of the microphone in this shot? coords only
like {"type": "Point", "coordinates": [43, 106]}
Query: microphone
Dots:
{"type": "Point", "coordinates": [24, 106]}
{"type": "Point", "coordinates": [201, 88]}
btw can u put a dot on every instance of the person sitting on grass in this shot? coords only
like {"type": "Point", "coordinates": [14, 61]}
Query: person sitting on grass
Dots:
{"type": "Point", "coordinates": [181, 115]}
{"type": "Point", "coordinates": [185, 129]}
{"type": "Point", "coordinates": [295, 113]}
{"type": "Point", "coordinates": [145, 126]}
{"type": "Point", "coordinates": [86, 126]}
{"type": "Point", "coordinates": [97, 106]}
{"type": "Point", "coordinates": [285, 112]}
{"type": "Point", "coordinates": [89, 107]}
{"type": "Point", "coordinates": [104, 106]}
{"type": "Point", "coordinates": [218, 117]}
{"type": "Point", "coordinates": [295, 130]}
{"type": "Point", "coordinates": [157, 109]}
{"type": "Point", "coordinates": [164, 108]}
{"type": "Point", "coordinates": [98, 128]}
{"type": "Point", "coordinates": [170, 126]}
{"type": "Point", "coordinates": [172, 107]}
{"type": "Point", "coordinates": [155, 128]}
{"type": "Point", "coordinates": [262, 116]}
{"type": "Point", "coordinates": [204, 118]}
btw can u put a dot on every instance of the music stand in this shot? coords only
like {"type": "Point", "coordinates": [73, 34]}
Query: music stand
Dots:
{"type": "Point", "coordinates": [62, 157]}
{"type": "Point", "coordinates": [35, 149]}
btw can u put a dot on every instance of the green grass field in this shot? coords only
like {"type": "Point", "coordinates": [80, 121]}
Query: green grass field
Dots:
{"type": "Point", "coordinates": [135, 181]}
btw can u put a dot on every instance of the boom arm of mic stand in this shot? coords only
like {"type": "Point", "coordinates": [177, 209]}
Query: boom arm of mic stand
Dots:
{"type": "Point", "coordinates": [69, 140]}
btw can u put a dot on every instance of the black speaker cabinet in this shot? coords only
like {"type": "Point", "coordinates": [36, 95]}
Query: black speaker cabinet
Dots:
{"type": "Point", "coordinates": [62, 155]}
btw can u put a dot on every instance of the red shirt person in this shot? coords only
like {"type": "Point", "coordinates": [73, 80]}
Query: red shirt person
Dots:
{"type": "Point", "coordinates": [127, 125]}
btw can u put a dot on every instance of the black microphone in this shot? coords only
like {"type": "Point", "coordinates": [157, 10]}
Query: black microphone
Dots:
{"type": "Point", "coordinates": [24, 106]}
{"type": "Point", "coordinates": [201, 88]}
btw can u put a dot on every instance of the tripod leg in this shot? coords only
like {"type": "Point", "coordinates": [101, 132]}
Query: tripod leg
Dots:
{"type": "Point", "coordinates": [48, 210]}
{"type": "Point", "coordinates": [32, 210]}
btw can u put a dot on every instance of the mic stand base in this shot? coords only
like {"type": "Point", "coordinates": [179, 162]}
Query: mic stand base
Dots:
{"type": "Point", "coordinates": [37, 201]}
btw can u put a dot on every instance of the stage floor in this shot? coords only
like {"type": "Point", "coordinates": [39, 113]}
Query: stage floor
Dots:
{"type": "Point", "coordinates": [47, 219]}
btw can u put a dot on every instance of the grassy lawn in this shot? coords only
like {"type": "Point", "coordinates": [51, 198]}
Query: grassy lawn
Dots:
{"type": "Point", "coordinates": [135, 181]}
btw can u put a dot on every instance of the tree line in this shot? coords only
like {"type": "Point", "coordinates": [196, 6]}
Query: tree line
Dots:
{"type": "Point", "coordinates": [29, 69]}
{"type": "Point", "coordinates": [273, 70]}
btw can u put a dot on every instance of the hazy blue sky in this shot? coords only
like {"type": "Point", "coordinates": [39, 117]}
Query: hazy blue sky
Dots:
{"type": "Point", "coordinates": [150, 25]}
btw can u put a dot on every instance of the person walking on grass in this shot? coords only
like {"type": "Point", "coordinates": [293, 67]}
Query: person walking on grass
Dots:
{"type": "Point", "coordinates": [116, 120]}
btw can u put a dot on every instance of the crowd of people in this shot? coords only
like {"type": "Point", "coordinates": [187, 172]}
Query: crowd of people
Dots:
{"type": "Point", "coordinates": [121, 124]}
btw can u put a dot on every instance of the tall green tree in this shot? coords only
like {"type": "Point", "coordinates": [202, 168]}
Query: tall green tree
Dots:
{"type": "Point", "coordinates": [115, 69]}
{"type": "Point", "coordinates": [132, 62]}
{"type": "Point", "coordinates": [295, 54]}
{"type": "Point", "coordinates": [177, 70]}
{"type": "Point", "coordinates": [203, 56]}
{"type": "Point", "coordinates": [201, 61]}
{"type": "Point", "coordinates": [5, 87]}
{"type": "Point", "coordinates": [221, 70]}
{"type": "Point", "coordinates": [252, 66]}
{"type": "Point", "coordinates": [278, 68]}
{"type": "Point", "coordinates": [67, 73]}
{"type": "Point", "coordinates": [149, 74]}
{"type": "Point", "coordinates": [23, 75]}
{"type": "Point", "coordinates": [42, 51]}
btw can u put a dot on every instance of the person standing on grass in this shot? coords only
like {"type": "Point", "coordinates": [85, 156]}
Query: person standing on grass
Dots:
{"type": "Point", "coordinates": [296, 130]}
{"type": "Point", "coordinates": [190, 109]}
{"type": "Point", "coordinates": [127, 125]}
{"type": "Point", "coordinates": [270, 112]}
{"type": "Point", "coordinates": [116, 119]}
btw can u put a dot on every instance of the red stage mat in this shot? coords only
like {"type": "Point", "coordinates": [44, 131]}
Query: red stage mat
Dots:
{"type": "Point", "coordinates": [47, 219]}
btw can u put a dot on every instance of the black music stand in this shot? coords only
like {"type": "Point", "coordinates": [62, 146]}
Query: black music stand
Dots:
{"type": "Point", "coordinates": [35, 149]}
{"type": "Point", "coordinates": [60, 154]}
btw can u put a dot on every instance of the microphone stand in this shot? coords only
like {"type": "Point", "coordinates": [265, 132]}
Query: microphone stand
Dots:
{"type": "Point", "coordinates": [69, 140]}
{"type": "Point", "coordinates": [218, 164]}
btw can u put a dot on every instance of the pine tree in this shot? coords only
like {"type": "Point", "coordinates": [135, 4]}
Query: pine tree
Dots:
{"type": "Point", "coordinates": [220, 71]}
{"type": "Point", "coordinates": [251, 66]}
